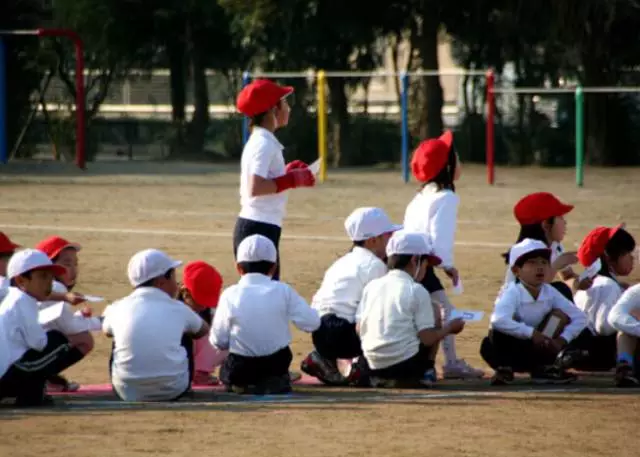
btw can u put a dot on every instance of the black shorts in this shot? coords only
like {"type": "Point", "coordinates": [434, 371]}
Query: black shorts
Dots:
{"type": "Point", "coordinates": [336, 338]}
{"type": "Point", "coordinates": [411, 369]}
{"type": "Point", "coordinates": [240, 370]}
{"type": "Point", "coordinates": [247, 227]}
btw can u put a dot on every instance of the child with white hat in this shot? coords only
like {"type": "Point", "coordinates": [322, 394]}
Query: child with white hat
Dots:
{"type": "Point", "coordinates": [399, 328]}
{"type": "Point", "coordinates": [28, 354]}
{"type": "Point", "coordinates": [7, 248]}
{"type": "Point", "coordinates": [252, 323]}
{"type": "Point", "coordinates": [341, 290]}
{"type": "Point", "coordinates": [532, 322]}
{"type": "Point", "coordinates": [152, 356]}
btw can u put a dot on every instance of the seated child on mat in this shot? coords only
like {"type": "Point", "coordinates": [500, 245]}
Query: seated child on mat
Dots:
{"type": "Point", "coordinates": [7, 248]}
{"type": "Point", "coordinates": [252, 323]}
{"type": "Point", "coordinates": [340, 292]}
{"type": "Point", "coordinates": [75, 325]}
{"type": "Point", "coordinates": [29, 355]}
{"type": "Point", "coordinates": [516, 342]}
{"type": "Point", "coordinates": [625, 318]}
{"type": "Point", "coordinates": [200, 290]}
{"type": "Point", "coordinates": [399, 327]}
{"type": "Point", "coordinates": [152, 354]}
{"type": "Point", "coordinates": [610, 249]}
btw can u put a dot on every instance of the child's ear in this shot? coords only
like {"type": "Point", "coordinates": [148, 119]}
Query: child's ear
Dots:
{"type": "Point", "coordinates": [239, 269]}
{"type": "Point", "coordinates": [272, 271]}
{"type": "Point", "coordinates": [515, 270]}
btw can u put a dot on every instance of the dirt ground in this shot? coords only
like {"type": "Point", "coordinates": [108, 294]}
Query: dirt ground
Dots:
{"type": "Point", "coordinates": [116, 209]}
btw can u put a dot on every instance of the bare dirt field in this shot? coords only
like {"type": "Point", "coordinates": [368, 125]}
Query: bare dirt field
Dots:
{"type": "Point", "coordinates": [116, 209]}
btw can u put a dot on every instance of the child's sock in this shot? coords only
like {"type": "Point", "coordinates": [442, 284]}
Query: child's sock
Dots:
{"type": "Point", "coordinates": [625, 357]}
{"type": "Point", "coordinates": [449, 343]}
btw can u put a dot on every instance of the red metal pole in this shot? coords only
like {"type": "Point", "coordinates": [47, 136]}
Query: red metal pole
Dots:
{"type": "Point", "coordinates": [80, 101]}
{"type": "Point", "coordinates": [491, 109]}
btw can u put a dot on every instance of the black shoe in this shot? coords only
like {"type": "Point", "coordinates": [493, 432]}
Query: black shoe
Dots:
{"type": "Point", "coordinates": [568, 358]}
{"type": "Point", "coordinates": [502, 377]}
{"type": "Point", "coordinates": [34, 401]}
{"type": "Point", "coordinates": [625, 376]}
{"type": "Point", "coordinates": [325, 370]}
{"type": "Point", "coordinates": [552, 375]}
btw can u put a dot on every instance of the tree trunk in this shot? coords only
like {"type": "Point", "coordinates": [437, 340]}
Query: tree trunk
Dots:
{"type": "Point", "coordinates": [595, 114]}
{"type": "Point", "coordinates": [339, 116]}
{"type": "Point", "coordinates": [200, 120]}
{"type": "Point", "coordinates": [431, 115]}
{"type": "Point", "coordinates": [177, 83]}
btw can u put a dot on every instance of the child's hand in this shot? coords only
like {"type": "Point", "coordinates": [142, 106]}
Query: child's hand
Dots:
{"type": "Point", "coordinates": [585, 284]}
{"type": "Point", "coordinates": [74, 298]}
{"type": "Point", "coordinates": [565, 260]}
{"type": "Point", "coordinates": [539, 339]}
{"type": "Point", "coordinates": [453, 274]}
{"type": "Point", "coordinates": [455, 326]}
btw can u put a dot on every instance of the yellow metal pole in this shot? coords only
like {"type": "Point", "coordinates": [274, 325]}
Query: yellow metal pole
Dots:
{"type": "Point", "coordinates": [321, 111]}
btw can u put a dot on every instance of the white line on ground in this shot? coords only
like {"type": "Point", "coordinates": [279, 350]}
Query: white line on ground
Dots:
{"type": "Point", "coordinates": [182, 233]}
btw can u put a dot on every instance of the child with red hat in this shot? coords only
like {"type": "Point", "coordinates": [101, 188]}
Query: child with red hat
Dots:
{"type": "Point", "coordinates": [541, 216]}
{"type": "Point", "coordinates": [7, 248]}
{"type": "Point", "coordinates": [434, 211]}
{"type": "Point", "coordinates": [264, 177]}
{"type": "Point", "coordinates": [200, 290]}
{"type": "Point", "coordinates": [75, 325]}
{"type": "Point", "coordinates": [607, 254]}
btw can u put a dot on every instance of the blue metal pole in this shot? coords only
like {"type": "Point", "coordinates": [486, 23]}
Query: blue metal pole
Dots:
{"type": "Point", "coordinates": [4, 148]}
{"type": "Point", "coordinates": [246, 79]}
{"type": "Point", "coordinates": [404, 107]}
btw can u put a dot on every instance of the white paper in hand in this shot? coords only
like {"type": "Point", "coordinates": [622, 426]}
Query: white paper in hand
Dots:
{"type": "Point", "coordinates": [93, 298]}
{"type": "Point", "coordinates": [467, 316]}
{"type": "Point", "coordinates": [591, 272]}
{"type": "Point", "coordinates": [51, 313]}
{"type": "Point", "coordinates": [315, 167]}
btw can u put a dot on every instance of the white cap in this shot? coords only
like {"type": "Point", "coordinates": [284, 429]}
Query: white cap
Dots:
{"type": "Point", "coordinates": [368, 222]}
{"type": "Point", "coordinates": [256, 248]}
{"type": "Point", "coordinates": [404, 242]}
{"type": "Point", "coordinates": [149, 264]}
{"type": "Point", "coordinates": [525, 247]}
{"type": "Point", "coordinates": [31, 259]}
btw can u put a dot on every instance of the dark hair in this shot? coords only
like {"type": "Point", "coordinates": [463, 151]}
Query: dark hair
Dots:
{"type": "Point", "coordinates": [166, 275]}
{"type": "Point", "coordinates": [258, 119]}
{"type": "Point", "coordinates": [263, 267]}
{"type": "Point", "coordinates": [444, 179]}
{"type": "Point", "coordinates": [621, 243]}
{"type": "Point", "coordinates": [26, 274]}
{"type": "Point", "coordinates": [532, 231]}
{"type": "Point", "coordinates": [5, 255]}
{"type": "Point", "coordinates": [359, 243]}
{"type": "Point", "coordinates": [398, 261]}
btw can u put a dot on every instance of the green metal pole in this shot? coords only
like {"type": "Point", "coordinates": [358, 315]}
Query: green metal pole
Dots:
{"type": "Point", "coordinates": [579, 136]}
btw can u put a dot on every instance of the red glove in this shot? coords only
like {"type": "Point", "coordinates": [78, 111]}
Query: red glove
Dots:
{"type": "Point", "coordinates": [301, 177]}
{"type": "Point", "coordinates": [295, 165]}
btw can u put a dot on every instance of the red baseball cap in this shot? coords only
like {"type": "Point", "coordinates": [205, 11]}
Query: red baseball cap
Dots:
{"type": "Point", "coordinates": [54, 245]}
{"type": "Point", "coordinates": [260, 96]}
{"type": "Point", "coordinates": [595, 243]}
{"type": "Point", "coordinates": [431, 156]}
{"type": "Point", "coordinates": [203, 282]}
{"type": "Point", "coordinates": [538, 207]}
{"type": "Point", "coordinates": [6, 245]}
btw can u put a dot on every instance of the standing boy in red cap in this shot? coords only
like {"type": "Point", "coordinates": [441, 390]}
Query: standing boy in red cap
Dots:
{"type": "Point", "coordinates": [264, 178]}
{"type": "Point", "coordinates": [7, 248]}
{"type": "Point", "coordinates": [29, 355]}
{"type": "Point", "coordinates": [433, 212]}
{"type": "Point", "coordinates": [200, 290]}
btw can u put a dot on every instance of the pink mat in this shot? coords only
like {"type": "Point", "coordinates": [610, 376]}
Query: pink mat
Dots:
{"type": "Point", "coordinates": [96, 390]}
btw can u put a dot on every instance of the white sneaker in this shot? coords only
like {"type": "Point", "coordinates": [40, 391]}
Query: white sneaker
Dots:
{"type": "Point", "coordinates": [461, 370]}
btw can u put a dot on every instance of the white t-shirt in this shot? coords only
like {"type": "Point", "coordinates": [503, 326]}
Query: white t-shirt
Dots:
{"type": "Point", "coordinates": [597, 302]}
{"type": "Point", "coordinates": [620, 317]}
{"type": "Point", "coordinates": [262, 156]}
{"type": "Point", "coordinates": [70, 322]}
{"type": "Point", "coordinates": [344, 281]}
{"type": "Point", "coordinates": [19, 328]}
{"type": "Point", "coordinates": [252, 317]}
{"type": "Point", "coordinates": [556, 250]}
{"type": "Point", "coordinates": [392, 311]}
{"type": "Point", "coordinates": [518, 314]}
{"type": "Point", "coordinates": [149, 362]}
{"type": "Point", "coordinates": [4, 287]}
{"type": "Point", "coordinates": [434, 212]}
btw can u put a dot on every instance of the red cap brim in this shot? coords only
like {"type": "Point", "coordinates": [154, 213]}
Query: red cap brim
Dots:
{"type": "Point", "coordinates": [434, 260]}
{"type": "Point", "coordinates": [447, 138]}
{"type": "Point", "coordinates": [57, 270]}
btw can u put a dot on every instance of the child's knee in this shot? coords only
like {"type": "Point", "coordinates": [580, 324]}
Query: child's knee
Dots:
{"type": "Point", "coordinates": [82, 341]}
